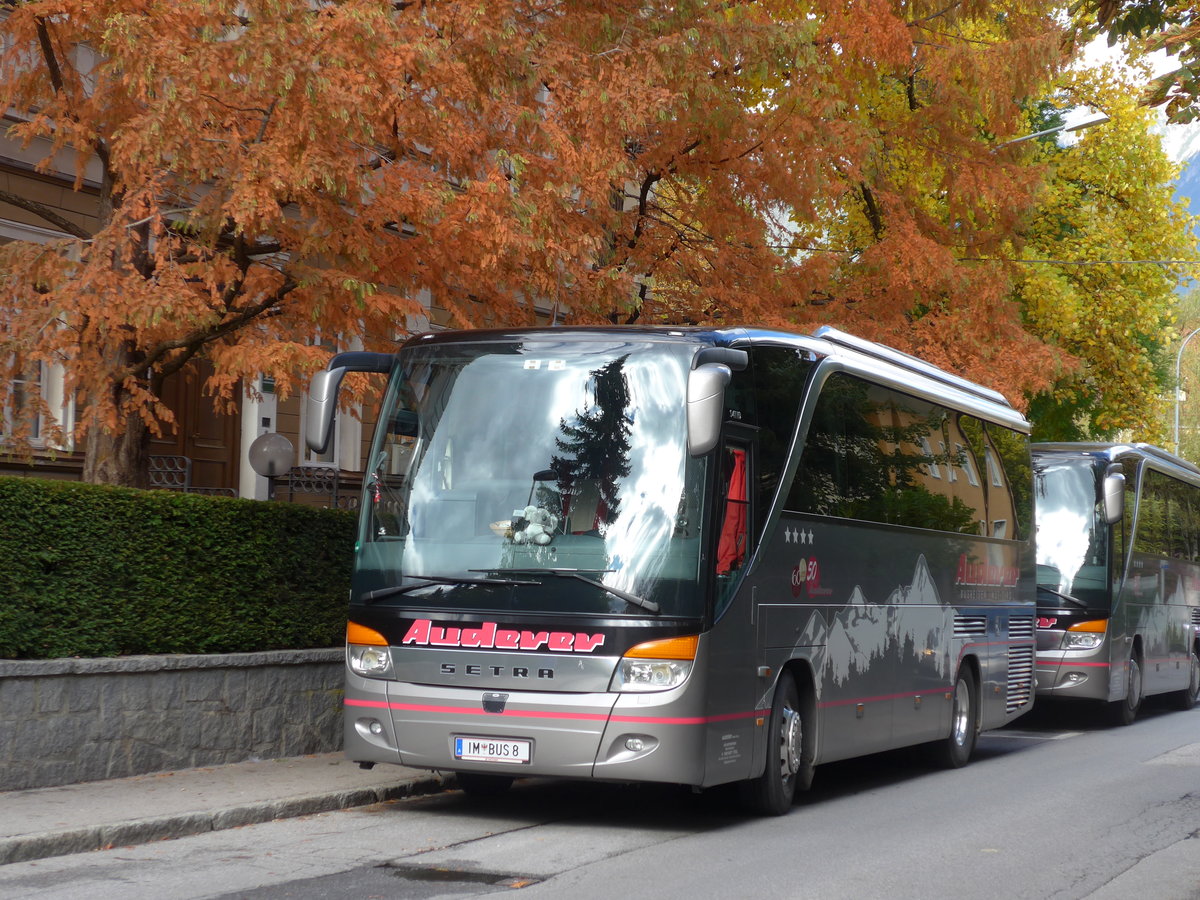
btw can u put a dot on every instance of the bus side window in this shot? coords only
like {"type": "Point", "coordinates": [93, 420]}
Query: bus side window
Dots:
{"type": "Point", "coordinates": [1009, 493]}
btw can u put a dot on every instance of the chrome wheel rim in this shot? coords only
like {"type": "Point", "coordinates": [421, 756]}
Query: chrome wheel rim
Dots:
{"type": "Point", "coordinates": [1133, 695]}
{"type": "Point", "coordinates": [790, 732]}
{"type": "Point", "coordinates": [961, 724]}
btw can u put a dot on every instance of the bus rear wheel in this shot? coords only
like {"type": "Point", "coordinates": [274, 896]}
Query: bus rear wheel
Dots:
{"type": "Point", "coordinates": [955, 751]}
{"type": "Point", "coordinates": [477, 784]}
{"type": "Point", "coordinates": [1125, 711]}
{"type": "Point", "coordinates": [1187, 698]}
{"type": "Point", "coordinates": [773, 792]}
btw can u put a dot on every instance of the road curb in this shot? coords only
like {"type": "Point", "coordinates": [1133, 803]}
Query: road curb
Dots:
{"type": "Point", "coordinates": [65, 841]}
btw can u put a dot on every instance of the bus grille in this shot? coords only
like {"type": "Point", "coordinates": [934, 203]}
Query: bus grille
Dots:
{"type": "Point", "coordinates": [1021, 627]}
{"type": "Point", "coordinates": [1020, 677]}
{"type": "Point", "coordinates": [970, 626]}
{"type": "Point", "coordinates": [1196, 617]}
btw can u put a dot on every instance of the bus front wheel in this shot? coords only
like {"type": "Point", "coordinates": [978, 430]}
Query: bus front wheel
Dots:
{"type": "Point", "coordinates": [956, 750]}
{"type": "Point", "coordinates": [773, 792]}
{"type": "Point", "coordinates": [1125, 711]}
{"type": "Point", "coordinates": [1188, 697]}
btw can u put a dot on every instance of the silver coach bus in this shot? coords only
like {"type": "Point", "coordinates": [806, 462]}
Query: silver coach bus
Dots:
{"type": "Point", "coordinates": [681, 555]}
{"type": "Point", "coordinates": [1118, 553]}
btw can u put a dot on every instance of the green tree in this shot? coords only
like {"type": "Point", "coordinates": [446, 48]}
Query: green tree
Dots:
{"type": "Point", "coordinates": [1107, 203]}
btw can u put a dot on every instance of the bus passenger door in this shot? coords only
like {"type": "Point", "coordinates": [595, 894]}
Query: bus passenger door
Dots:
{"type": "Point", "coordinates": [731, 674]}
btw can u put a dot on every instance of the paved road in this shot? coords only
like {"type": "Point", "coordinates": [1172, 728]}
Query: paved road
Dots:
{"type": "Point", "coordinates": [1053, 807]}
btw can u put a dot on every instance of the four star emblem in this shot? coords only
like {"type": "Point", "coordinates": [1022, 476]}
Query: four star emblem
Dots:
{"type": "Point", "coordinates": [797, 535]}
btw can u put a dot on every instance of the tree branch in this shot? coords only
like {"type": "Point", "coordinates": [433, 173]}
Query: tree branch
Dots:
{"type": "Point", "coordinates": [193, 341]}
{"type": "Point", "coordinates": [936, 15]}
{"type": "Point", "coordinates": [59, 84]}
{"type": "Point", "coordinates": [45, 212]}
{"type": "Point", "coordinates": [874, 216]}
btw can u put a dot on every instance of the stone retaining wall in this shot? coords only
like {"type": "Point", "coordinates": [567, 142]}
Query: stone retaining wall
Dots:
{"type": "Point", "coordinates": [68, 720]}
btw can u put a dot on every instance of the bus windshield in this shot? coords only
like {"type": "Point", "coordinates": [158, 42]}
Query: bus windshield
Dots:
{"type": "Point", "coordinates": [1072, 558]}
{"type": "Point", "coordinates": [537, 476]}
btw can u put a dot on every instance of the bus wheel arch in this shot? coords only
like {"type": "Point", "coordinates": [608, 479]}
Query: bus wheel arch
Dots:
{"type": "Point", "coordinates": [954, 751]}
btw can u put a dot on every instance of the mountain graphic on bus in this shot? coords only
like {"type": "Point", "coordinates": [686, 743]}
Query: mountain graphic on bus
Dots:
{"type": "Point", "coordinates": [861, 631]}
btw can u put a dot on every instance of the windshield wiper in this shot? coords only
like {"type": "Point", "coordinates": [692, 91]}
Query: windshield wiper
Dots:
{"type": "Point", "coordinates": [425, 581]}
{"type": "Point", "coordinates": [1067, 597]}
{"type": "Point", "coordinates": [582, 575]}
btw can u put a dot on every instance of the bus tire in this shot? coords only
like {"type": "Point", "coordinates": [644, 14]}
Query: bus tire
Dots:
{"type": "Point", "coordinates": [1124, 712]}
{"type": "Point", "coordinates": [772, 792]}
{"type": "Point", "coordinates": [477, 784]}
{"type": "Point", "coordinates": [1186, 699]}
{"type": "Point", "coordinates": [955, 751]}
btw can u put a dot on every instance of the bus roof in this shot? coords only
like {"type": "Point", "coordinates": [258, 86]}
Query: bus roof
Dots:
{"type": "Point", "coordinates": [857, 355]}
{"type": "Point", "coordinates": [1117, 450]}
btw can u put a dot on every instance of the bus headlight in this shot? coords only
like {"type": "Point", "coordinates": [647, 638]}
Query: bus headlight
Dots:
{"type": "Point", "coordinates": [370, 662]}
{"type": "Point", "coordinates": [367, 652]}
{"type": "Point", "coordinates": [656, 665]}
{"type": "Point", "coordinates": [1085, 635]}
{"type": "Point", "coordinates": [652, 674]}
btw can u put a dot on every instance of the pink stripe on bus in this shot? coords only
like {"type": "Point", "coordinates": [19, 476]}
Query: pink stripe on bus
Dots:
{"type": "Point", "coordinates": [544, 714]}
{"type": "Point", "coordinates": [1071, 664]}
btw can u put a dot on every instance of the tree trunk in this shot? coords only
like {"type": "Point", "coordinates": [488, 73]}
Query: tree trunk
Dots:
{"type": "Point", "coordinates": [121, 459]}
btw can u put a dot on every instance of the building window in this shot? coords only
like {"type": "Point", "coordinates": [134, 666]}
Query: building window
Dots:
{"type": "Point", "coordinates": [26, 395]}
{"type": "Point", "coordinates": [997, 477]}
{"type": "Point", "coordinates": [967, 464]}
{"type": "Point", "coordinates": [931, 466]}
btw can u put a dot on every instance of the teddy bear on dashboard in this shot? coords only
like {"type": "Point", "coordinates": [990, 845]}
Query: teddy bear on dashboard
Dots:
{"type": "Point", "coordinates": [536, 526]}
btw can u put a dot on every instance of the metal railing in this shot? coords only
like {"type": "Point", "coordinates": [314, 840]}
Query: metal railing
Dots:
{"type": "Point", "coordinates": [174, 473]}
{"type": "Point", "coordinates": [171, 473]}
{"type": "Point", "coordinates": [320, 481]}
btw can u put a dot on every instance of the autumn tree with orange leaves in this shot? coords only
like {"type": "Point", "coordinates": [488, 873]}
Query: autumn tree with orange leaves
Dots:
{"type": "Point", "coordinates": [275, 169]}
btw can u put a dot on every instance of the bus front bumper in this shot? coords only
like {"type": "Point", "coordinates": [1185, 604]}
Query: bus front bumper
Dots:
{"type": "Point", "coordinates": [1071, 674]}
{"type": "Point", "coordinates": [609, 736]}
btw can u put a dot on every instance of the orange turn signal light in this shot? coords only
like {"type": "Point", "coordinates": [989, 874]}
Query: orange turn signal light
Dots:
{"type": "Point", "coordinates": [361, 634]}
{"type": "Point", "coordinates": [1093, 626]}
{"type": "Point", "coordinates": [667, 648]}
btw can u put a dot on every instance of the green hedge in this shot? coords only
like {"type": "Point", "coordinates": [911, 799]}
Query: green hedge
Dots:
{"type": "Point", "coordinates": [87, 570]}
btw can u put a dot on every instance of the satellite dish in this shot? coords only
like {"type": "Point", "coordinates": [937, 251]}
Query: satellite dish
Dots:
{"type": "Point", "coordinates": [271, 454]}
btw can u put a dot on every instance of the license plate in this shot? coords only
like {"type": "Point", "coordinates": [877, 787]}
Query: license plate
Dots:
{"type": "Point", "coordinates": [496, 750]}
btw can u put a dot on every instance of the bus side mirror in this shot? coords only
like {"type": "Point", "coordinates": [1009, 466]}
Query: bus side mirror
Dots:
{"type": "Point", "coordinates": [323, 392]}
{"type": "Point", "coordinates": [706, 406]}
{"type": "Point", "coordinates": [320, 407]}
{"type": "Point", "coordinates": [1114, 497]}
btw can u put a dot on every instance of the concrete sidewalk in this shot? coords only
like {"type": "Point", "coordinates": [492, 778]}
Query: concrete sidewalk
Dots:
{"type": "Point", "coordinates": [93, 815]}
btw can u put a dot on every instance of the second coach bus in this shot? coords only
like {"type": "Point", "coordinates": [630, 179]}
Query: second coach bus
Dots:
{"type": "Point", "coordinates": [683, 555]}
{"type": "Point", "coordinates": [1118, 553]}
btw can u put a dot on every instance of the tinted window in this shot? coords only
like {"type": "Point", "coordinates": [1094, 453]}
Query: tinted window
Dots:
{"type": "Point", "coordinates": [1167, 518]}
{"type": "Point", "coordinates": [876, 454]}
{"type": "Point", "coordinates": [780, 376]}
